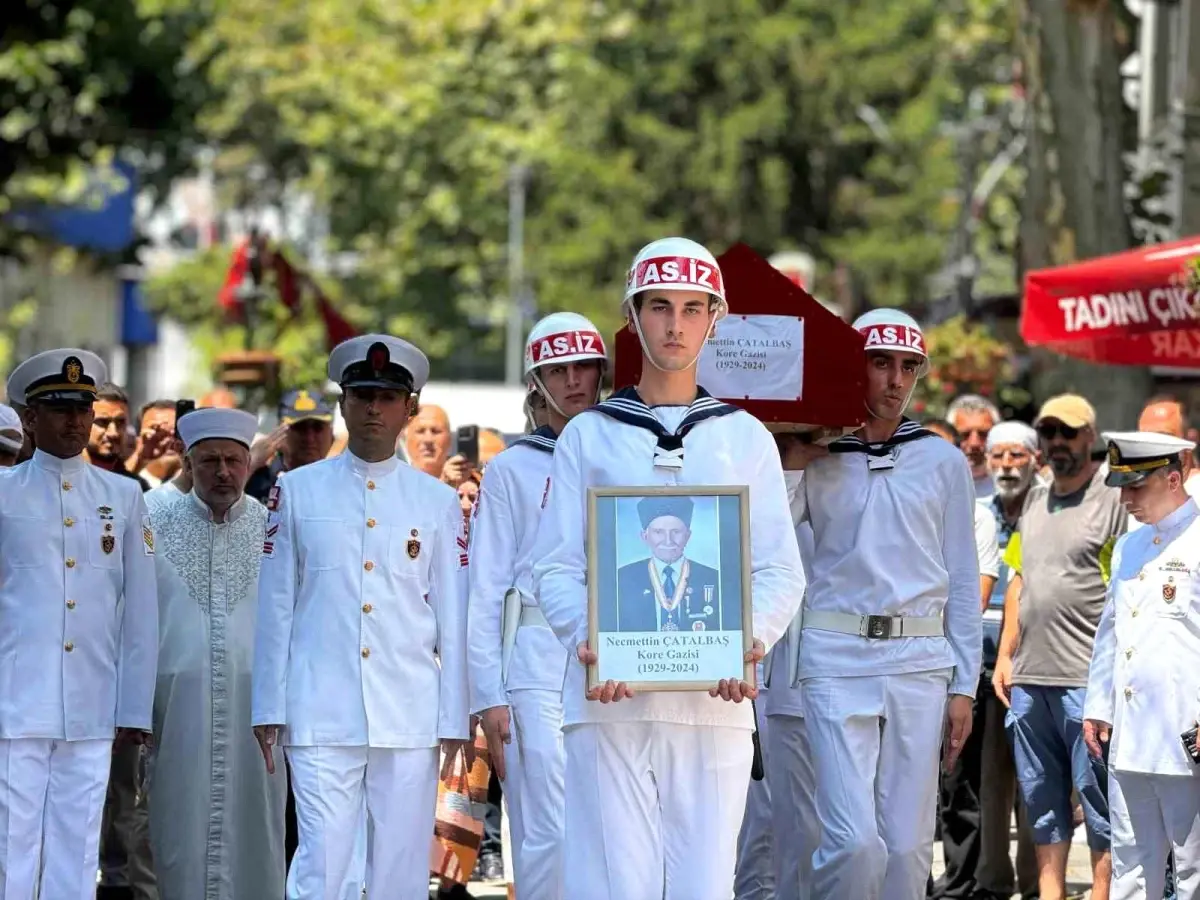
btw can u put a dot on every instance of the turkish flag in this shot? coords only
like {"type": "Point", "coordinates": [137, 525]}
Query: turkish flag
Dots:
{"type": "Point", "coordinates": [1138, 308]}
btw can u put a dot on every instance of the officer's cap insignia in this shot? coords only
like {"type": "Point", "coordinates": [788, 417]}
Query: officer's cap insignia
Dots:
{"type": "Point", "coordinates": [72, 369]}
{"type": "Point", "coordinates": [108, 543]}
{"type": "Point", "coordinates": [304, 403]}
{"type": "Point", "coordinates": [378, 356]}
{"type": "Point", "coordinates": [414, 549]}
{"type": "Point", "coordinates": [1169, 593]}
{"type": "Point", "coordinates": [1114, 455]}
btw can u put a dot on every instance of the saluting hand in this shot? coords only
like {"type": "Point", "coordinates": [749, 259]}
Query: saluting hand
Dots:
{"type": "Point", "coordinates": [268, 737]}
{"type": "Point", "coordinates": [734, 689]}
{"type": "Point", "coordinates": [609, 692]}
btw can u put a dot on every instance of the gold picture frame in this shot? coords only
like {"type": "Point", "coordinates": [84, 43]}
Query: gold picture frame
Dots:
{"type": "Point", "coordinates": [680, 642]}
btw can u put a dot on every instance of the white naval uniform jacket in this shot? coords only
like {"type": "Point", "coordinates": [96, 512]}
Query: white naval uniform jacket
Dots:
{"type": "Point", "coordinates": [78, 602]}
{"type": "Point", "coordinates": [361, 635]}
{"type": "Point", "coordinates": [503, 533]}
{"type": "Point", "coordinates": [614, 445]}
{"type": "Point", "coordinates": [1144, 677]}
{"type": "Point", "coordinates": [896, 542]}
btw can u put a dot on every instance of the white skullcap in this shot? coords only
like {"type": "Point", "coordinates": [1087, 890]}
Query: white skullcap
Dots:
{"type": "Point", "coordinates": [12, 435]}
{"type": "Point", "coordinates": [215, 422]}
{"type": "Point", "coordinates": [1013, 432]}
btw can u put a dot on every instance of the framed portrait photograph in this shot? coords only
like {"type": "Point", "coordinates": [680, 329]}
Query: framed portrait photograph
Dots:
{"type": "Point", "coordinates": [669, 586]}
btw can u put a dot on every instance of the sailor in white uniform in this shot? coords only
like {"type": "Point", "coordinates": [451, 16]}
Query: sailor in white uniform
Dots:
{"type": "Point", "coordinates": [1143, 688]}
{"type": "Point", "coordinates": [891, 628]}
{"type": "Point", "coordinates": [656, 784]}
{"type": "Point", "coordinates": [360, 662]}
{"type": "Point", "coordinates": [78, 633]}
{"type": "Point", "coordinates": [516, 663]}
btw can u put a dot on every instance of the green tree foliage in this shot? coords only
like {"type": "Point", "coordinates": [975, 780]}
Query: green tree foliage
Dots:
{"type": "Point", "coordinates": [778, 122]}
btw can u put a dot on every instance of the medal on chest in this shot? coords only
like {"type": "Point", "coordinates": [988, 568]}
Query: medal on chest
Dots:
{"type": "Point", "coordinates": [108, 540]}
{"type": "Point", "coordinates": [414, 545]}
{"type": "Point", "coordinates": [669, 606]}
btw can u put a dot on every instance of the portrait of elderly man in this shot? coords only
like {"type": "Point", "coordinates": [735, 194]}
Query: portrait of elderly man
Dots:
{"type": "Point", "coordinates": [216, 814]}
{"type": "Point", "coordinates": [973, 417]}
{"type": "Point", "coordinates": [667, 591]}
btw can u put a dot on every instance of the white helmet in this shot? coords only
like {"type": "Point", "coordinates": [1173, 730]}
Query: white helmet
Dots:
{"type": "Point", "coordinates": [561, 337]}
{"type": "Point", "coordinates": [675, 264]}
{"type": "Point", "coordinates": [892, 329]}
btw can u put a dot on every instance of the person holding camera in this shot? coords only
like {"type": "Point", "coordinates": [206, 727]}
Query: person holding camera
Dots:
{"type": "Point", "coordinates": [1143, 692]}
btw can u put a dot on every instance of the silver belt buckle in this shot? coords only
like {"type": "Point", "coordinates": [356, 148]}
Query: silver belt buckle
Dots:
{"type": "Point", "coordinates": [878, 628]}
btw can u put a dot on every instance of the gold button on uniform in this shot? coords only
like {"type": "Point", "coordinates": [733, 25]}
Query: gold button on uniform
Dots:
{"type": "Point", "coordinates": [365, 653]}
{"type": "Point", "coordinates": [70, 562]}
{"type": "Point", "coordinates": [68, 521]}
{"type": "Point", "coordinates": [68, 646]}
{"type": "Point", "coordinates": [70, 604]}
{"type": "Point", "coordinates": [1129, 653]}
{"type": "Point", "coordinates": [66, 485]}
{"type": "Point", "coordinates": [367, 607]}
{"type": "Point", "coordinates": [370, 485]}
{"type": "Point", "coordinates": [1134, 613]}
{"type": "Point", "coordinates": [370, 523]}
{"type": "Point", "coordinates": [368, 565]}
{"type": "Point", "coordinates": [1141, 576]}
{"type": "Point", "coordinates": [1128, 693]}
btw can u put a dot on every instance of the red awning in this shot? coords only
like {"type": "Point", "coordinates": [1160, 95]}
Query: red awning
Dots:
{"type": "Point", "coordinates": [1140, 308]}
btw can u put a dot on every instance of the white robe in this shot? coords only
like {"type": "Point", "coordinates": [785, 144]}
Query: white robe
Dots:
{"type": "Point", "coordinates": [216, 816]}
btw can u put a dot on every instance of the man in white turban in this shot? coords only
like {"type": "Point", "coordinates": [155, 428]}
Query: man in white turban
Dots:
{"type": "Point", "coordinates": [216, 815]}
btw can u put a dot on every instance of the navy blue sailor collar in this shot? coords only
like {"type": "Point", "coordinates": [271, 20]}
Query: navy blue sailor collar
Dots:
{"type": "Point", "coordinates": [542, 438]}
{"type": "Point", "coordinates": [908, 431]}
{"type": "Point", "coordinates": [627, 406]}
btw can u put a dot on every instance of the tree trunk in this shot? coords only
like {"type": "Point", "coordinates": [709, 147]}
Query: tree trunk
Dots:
{"type": "Point", "coordinates": [1074, 207]}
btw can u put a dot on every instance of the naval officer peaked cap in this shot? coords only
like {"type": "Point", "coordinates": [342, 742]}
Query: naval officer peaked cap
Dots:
{"type": "Point", "coordinates": [57, 376]}
{"type": "Point", "coordinates": [655, 507]}
{"type": "Point", "coordinates": [379, 361]}
{"type": "Point", "coordinates": [1134, 455]}
{"type": "Point", "coordinates": [216, 422]}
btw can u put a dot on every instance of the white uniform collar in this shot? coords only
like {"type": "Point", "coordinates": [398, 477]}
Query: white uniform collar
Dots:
{"type": "Point", "coordinates": [1173, 520]}
{"type": "Point", "coordinates": [57, 465]}
{"type": "Point", "coordinates": [234, 513]}
{"type": "Point", "coordinates": [371, 469]}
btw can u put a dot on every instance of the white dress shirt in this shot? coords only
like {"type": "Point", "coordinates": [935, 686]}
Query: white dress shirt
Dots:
{"type": "Point", "coordinates": [1144, 677]}
{"type": "Point", "coordinates": [78, 602]}
{"type": "Point", "coordinates": [895, 542]}
{"type": "Point", "coordinates": [597, 450]}
{"type": "Point", "coordinates": [361, 637]}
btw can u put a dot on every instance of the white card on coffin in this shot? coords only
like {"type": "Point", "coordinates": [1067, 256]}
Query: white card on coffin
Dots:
{"type": "Point", "coordinates": [755, 358]}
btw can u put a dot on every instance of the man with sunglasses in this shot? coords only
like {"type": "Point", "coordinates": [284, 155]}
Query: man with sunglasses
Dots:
{"type": "Point", "coordinates": [1060, 560]}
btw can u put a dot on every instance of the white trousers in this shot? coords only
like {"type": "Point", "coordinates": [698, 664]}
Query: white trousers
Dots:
{"type": "Point", "coordinates": [793, 810]}
{"type": "Point", "coordinates": [51, 801]}
{"type": "Point", "coordinates": [654, 810]}
{"type": "Point", "coordinates": [754, 877]}
{"type": "Point", "coordinates": [533, 787]}
{"type": "Point", "coordinates": [1152, 816]}
{"type": "Point", "coordinates": [329, 784]}
{"type": "Point", "coordinates": [875, 743]}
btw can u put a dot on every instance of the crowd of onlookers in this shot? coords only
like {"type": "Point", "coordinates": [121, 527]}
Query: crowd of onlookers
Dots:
{"type": "Point", "coordinates": [142, 443]}
{"type": "Point", "coordinates": [1054, 524]}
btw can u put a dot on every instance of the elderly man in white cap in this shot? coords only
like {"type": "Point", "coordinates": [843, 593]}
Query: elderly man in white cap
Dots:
{"type": "Point", "coordinates": [656, 783]}
{"type": "Point", "coordinates": [216, 814]}
{"type": "Point", "coordinates": [891, 627]}
{"type": "Point", "coordinates": [12, 436]}
{"type": "Point", "coordinates": [360, 665]}
{"type": "Point", "coordinates": [78, 632]}
{"type": "Point", "coordinates": [1143, 691]}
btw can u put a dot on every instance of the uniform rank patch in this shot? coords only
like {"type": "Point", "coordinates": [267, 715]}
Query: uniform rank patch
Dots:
{"type": "Point", "coordinates": [546, 492]}
{"type": "Point", "coordinates": [269, 537]}
{"type": "Point", "coordinates": [273, 498]}
{"type": "Point", "coordinates": [147, 537]}
{"type": "Point", "coordinates": [463, 558]}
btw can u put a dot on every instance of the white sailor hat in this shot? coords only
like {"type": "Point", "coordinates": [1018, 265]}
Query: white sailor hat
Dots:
{"type": "Point", "coordinates": [12, 434]}
{"type": "Point", "coordinates": [57, 376]}
{"type": "Point", "coordinates": [1135, 455]}
{"type": "Point", "coordinates": [379, 361]}
{"type": "Point", "coordinates": [212, 422]}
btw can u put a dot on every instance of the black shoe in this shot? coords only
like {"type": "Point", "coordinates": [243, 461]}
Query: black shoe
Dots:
{"type": "Point", "coordinates": [454, 892]}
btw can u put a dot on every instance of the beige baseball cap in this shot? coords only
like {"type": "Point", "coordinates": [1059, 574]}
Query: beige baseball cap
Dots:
{"type": "Point", "coordinates": [1070, 409]}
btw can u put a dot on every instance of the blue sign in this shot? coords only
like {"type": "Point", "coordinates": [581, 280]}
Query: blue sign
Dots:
{"type": "Point", "coordinates": [138, 325]}
{"type": "Point", "coordinates": [102, 221]}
